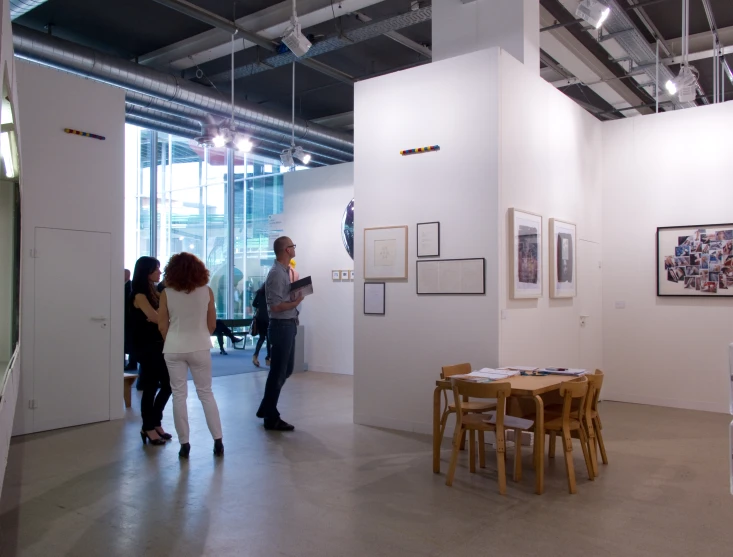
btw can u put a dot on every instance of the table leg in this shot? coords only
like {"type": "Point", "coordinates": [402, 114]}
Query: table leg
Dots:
{"type": "Point", "coordinates": [539, 445]}
{"type": "Point", "coordinates": [436, 430]}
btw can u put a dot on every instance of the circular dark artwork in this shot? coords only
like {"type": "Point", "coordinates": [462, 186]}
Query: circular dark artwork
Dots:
{"type": "Point", "coordinates": [347, 229]}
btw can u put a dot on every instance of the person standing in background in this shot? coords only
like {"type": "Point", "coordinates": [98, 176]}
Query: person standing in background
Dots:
{"type": "Point", "coordinates": [147, 345]}
{"type": "Point", "coordinates": [187, 321]}
{"type": "Point", "coordinates": [263, 322]}
{"type": "Point", "coordinates": [282, 330]}
{"type": "Point", "coordinates": [131, 361]}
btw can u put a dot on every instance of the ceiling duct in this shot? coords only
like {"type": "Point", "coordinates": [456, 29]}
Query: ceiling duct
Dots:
{"type": "Point", "coordinates": [64, 55]}
{"type": "Point", "coordinates": [22, 7]}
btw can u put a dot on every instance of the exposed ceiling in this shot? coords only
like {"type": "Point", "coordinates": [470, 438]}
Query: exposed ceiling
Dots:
{"type": "Point", "coordinates": [593, 72]}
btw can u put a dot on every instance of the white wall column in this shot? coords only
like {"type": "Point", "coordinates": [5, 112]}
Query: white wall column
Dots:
{"type": "Point", "coordinates": [513, 25]}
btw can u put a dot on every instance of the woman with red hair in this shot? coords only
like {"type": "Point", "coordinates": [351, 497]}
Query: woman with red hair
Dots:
{"type": "Point", "coordinates": [187, 318]}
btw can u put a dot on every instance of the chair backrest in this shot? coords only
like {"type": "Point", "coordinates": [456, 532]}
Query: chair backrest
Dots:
{"type": "Point", "coordinates": [577, 388]}
{"type": "Point", "coordinates": [595, 382]}
{"type": "Point", "coordinates": [458, 369]}
{"type": "Point", "coordinates": [468, 389]}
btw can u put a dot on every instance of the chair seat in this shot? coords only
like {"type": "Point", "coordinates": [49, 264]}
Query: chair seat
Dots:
{"type": "Point", "coordinates": [554, 423]}
{"type": "Point", "coordinates": [474, 406]}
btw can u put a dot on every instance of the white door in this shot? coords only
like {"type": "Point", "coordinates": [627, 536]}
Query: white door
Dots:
{"type": "Point", "coordinates": [72, 328]}
{"type": "Point", "coordinates": [590, 305]}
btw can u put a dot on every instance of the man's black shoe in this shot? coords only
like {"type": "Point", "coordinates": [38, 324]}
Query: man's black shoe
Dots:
{"type": "Point", "coordinates": [279, 425]}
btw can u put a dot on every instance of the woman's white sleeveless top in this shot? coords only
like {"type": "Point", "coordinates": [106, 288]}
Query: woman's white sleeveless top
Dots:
{"type": "Point", "coordinates": [188, 331]}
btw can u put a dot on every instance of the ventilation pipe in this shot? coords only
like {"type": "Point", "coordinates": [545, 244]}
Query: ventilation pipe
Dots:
{"type": "Point", "coordinates": [64, 55]}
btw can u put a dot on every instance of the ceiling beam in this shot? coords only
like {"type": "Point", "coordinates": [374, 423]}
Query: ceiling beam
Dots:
{"type": "Point", "coordinates": [331, 44]}
{"type": "Point", "coordinates": [270, 23]}
{"type": "Point", "coordinates": [574, 57]}
{"type": "Point", "coordinates": [401, 39]}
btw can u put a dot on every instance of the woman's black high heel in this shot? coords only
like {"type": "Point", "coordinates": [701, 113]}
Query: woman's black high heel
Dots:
{"type": "Point", "coordinates": [185, 449]}
{"type": "Point", "coordinates": [218, 447]}
{"type": "Point", "coordinates": [147, 438]}
{"type": "Point", "coordinates": [164, 435]}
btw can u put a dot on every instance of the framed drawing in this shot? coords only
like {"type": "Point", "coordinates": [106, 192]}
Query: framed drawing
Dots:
{"type": "Point", "coordinates": [385, 253]}
{"type": "Point", "coordinates": [451, 276]}
{"type": "Point", "coordinates": [428, 239]}
{"type": "Point", "coordinates": [351, 275]}
{"type": "Point", "coordinates": [374, 298]}
{"type": "Point", "coordinates": [525, 254]}
{"type": "Point", "coordinates": [344, 275]}
{"type": "Point", "coordinates": [695, 260]}
{"type": "Point", "coordinates": [563, 275]}
{"type": "Point", "coordinates": [335, 275]}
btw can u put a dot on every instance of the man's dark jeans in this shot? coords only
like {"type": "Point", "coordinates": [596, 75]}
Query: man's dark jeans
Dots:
{"type": "Point", "coordinates": [281, 334]}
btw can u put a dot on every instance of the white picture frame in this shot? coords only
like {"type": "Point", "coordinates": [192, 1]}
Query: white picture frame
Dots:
{"type": "Point", "coordinates": [374, 298]}
{"type": "Point", "coordinates": [428, 239]}
{"type": "Point", "coordinates": [344, 275]}
{"type": "Point", "coordinates": [525, 254]}
{"type": "Point", "coordinates": [351, 275]}
{"type": "Point", "coordinates": [385, 253]}
{"type": "Point", "coordinates": [563, 259]}
{"type": "Point", "coordinates": [335, 276]}
{"type": "Point", "coordinates": [451, 276]}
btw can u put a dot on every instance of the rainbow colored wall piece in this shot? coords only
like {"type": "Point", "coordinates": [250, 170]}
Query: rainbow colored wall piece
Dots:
{"type": "Point", "coordinates": [420, 150]}
{"type": "Point", "coordinates": [85, 134]}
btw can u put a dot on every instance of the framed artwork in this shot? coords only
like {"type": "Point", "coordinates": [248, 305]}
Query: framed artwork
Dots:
{"type": "Point", "coordinates": [374, 298]}
{"type": "Point", "coordinates": [563, 275]}
{"type": "Point", "coordinates": [428, 239]}
{"type": "Point", "coordinates": [351, 275]}
{"type": "Point", "coordinates": [385, 253]}
{"type": "Point", "coordinates": [525, 254]}
{"type": "Point", "coordinates": [335, 275]}
{"type": "Point", "coordinates": [451, 276]}
{"type": "Point", "coordinates": [695, 260]}
{"type": "Point", "coordinates": [344, 275]}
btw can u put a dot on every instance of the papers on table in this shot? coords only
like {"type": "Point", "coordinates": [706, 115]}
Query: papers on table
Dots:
{"type": "Point", "coordinates": [510, 422]}
{"type": "Point", "coordinates": [518, 368]}
{"type": "Point", "coordinates": [563, 371]}
{"type": "Point", "coordinates": [487, 374]}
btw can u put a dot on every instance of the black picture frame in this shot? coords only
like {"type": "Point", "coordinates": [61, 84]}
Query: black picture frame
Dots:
{"type": "Point", "coordinates": [690, 231]}
{"type": "Point", "coordinates": [417, 240]}
{"type": "Point", "coordinates": [433, 261]}
{"type": "Point", "coordinates": [384, 298]}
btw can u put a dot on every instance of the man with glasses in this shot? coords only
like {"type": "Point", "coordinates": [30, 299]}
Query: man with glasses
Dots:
{"type": "Point", "coordinates": [283, 314]}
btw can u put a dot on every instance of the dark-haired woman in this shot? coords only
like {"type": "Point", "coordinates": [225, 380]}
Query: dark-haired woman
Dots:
{"type": "Point", "coordinates": [148, 345]}
{"type": "Point", "coordinates": [187, 321]}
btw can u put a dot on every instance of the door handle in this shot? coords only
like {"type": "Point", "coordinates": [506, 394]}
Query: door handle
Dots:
{"type": "Point", "coordinates": [99, 319]}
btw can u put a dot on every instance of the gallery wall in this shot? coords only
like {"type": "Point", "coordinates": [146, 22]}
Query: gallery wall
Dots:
{"type": "Point", "coordinates": [550, 165]}
{"type": "Point", "coordinates": [670, 169]}
{"type": "Point", "coordinates": [71, 183]}
{"type": "Point", "coordinates": [314, 205]}
{"type": "Point", "coordinates": [453, 103]}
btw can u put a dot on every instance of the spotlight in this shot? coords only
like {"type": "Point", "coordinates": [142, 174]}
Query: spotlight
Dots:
{"type": "Point", "coordinates": [244, 144]}
{"type": "Point", "coordinates": [593, 12]}
{"type": "Point", "coordinates": [286, 158]}
{"type": "Point", "coordinates": [219, 141]}
{"type": "Point", "coordinates": [301, 155]}
{"type": "Point", "coordinates": [295, 40]}
{"type": "Point", "coordinates": [684, 85]}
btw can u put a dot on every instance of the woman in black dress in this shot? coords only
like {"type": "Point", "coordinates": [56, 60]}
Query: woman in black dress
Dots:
{"type": "Point", "coordinates": [263, 322]}
{"type": "Point", "coordinates": [148, 347]}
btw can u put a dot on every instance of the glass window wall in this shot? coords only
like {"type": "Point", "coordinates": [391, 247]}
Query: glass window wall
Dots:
{"type": "Point", "coordinates": [195, 211]}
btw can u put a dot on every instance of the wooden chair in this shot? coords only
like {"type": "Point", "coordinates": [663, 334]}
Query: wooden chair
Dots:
{"type": "Point", "coordinates": [469, 423]}
{"type": "Point", "coordinates": [127, 393]}
{"type": "Point", "coordinates": [468, 407]}
{"type": "Point", "coordinates": [571, 420]}
{"type": "Point", "coordinates": [593, 420]}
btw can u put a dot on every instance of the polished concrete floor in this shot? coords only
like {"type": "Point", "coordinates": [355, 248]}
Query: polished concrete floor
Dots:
{"type": "Point", "coordinates": [336, 489]}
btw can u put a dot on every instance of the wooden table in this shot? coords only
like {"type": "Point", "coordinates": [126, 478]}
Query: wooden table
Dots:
{"type": "Point", "coordinates": [522, 386]}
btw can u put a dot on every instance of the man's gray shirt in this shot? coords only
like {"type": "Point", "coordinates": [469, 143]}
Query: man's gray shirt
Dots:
{"type": "Point", "coordinates": [277, 291]}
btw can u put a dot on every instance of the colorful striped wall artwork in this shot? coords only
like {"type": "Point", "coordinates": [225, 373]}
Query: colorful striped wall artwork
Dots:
{"type": "Point", "coordinates": [85, 134]}
{"type": "Point", "coordinates": [420, 150]}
